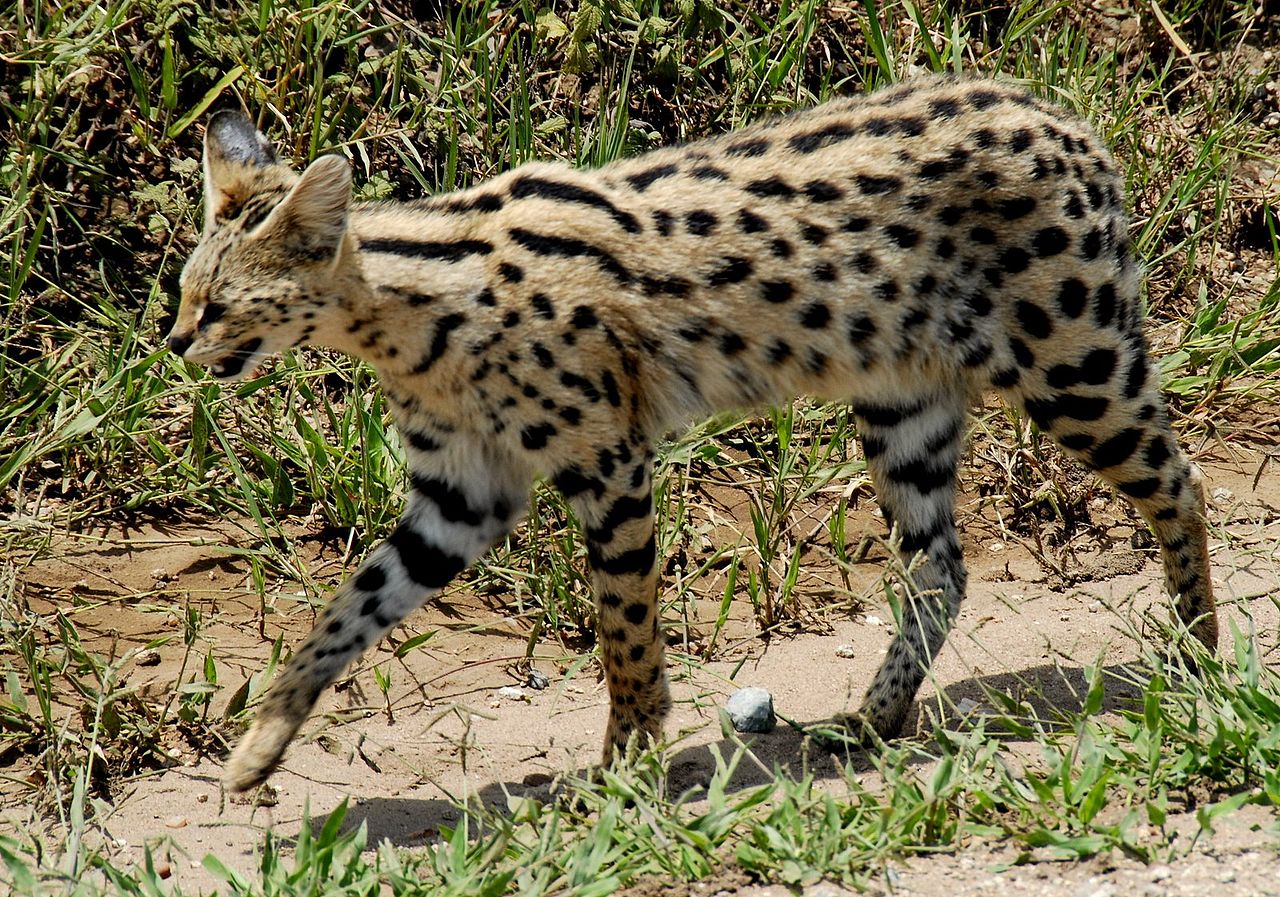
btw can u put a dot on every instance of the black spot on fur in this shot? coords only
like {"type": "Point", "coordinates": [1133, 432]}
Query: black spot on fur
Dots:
{"type": "Point", "coordinates": [748, 148]}
{"type": "Point", "coordinates": [1104, 304]}
{"type": "Point", "coordinates": [535, 436]}
{"type": "Point", "coordinates": [1013, 209]}
{"type": "Point", "coordinates": [573, 482]}
{"type": "Point", "coordinates": [700, 222]}
{"type": "Point", "coordinates": [1143, 488]}
{"type": "Point", "coordinates": [1033, 319]}
{"type": "Point", "coordinates": [1014, 260]}
{"type": "Point", "coordinates": [1072, 295]}
{"type": "Point", "coordinates": [732, 269]}
{"type": "Point", "coordinates": [370, 579]}
{"type": "Point", "coordinates": [776, 291]}
{"type": "Point", "coordinates": [637, 561]}
{"type": "Point", "coordinates": [642, 180]}
{"type": "Point", "coordinates": [1077, 442]}
{"type": "Point", "coordinates": [569, 247]}
{"type": "Point", "coordinates": [822, 191]}
{"type": "Point", "coordinates": [815, 315]}
{"type": "Point", "coordinates": [1157, 453]}
{"type": "Point", "coordinates": [731, 343]}
{"type": "Point", "coordinates": [877, 185]}
{"type": "Point", "coordinates": [1050, 241]}
{"type": "Point", "coordinates": [1116, 450]}
{"type": "Point", "coordinates": [751, 223]}
{"type": "Point", "coordinates": [426, 564]}
{"type": "Point", "coordinates": [771, 188]}
{"type": "Point", "coordinates": [779, 351]}
{"type": "Point", "coordinates": [904, 236]}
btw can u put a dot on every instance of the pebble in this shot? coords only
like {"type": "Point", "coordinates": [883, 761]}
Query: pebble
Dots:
{"type": "Point", "coordinates": [176, 822]}
{"type": "Point", "coordinates": [147, 657]}
{"type": "Point", "coordinates": [537, 680]}
{"type": "Point", "coordinates": [845, 651]}
{"type": "Point", "coordinates": [751, 710]}
{"type": "Point", "coordinates": [511, 692]}
{"type": "Point", "coordinates": [872, 620]}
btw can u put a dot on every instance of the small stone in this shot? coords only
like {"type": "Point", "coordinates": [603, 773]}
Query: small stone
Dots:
{"type": "Point", "coordinates": [511, 693]}
{"type": "Point", "coordinates": [176, 822]}
{"type": "Point", "coordinates": [872, 620]}
{"type": "Point", "coordinates": [751, 710]}
{"type": "Point", "coordinates": [202, 798]}
{"type": "Point", "coordinates": [1160, 873]}
{"type": "Point", "coordinates": [537, 680]}
{"type": "Point", "coordinates": [845, 651]}
{"type": "Point", "coordinates": [148, 657]}
{"type": "Point", "coordinates": [1272, 120]}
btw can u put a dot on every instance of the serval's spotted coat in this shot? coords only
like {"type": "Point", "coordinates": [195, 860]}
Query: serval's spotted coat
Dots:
{"type": "Point", "coordinates": [903, 251]}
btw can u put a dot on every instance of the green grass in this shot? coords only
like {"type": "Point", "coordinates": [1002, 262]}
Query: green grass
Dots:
{"type": "Point", "coordinates": [1101, 783]}
{"type": "Point", "coordinates": [100, 107]}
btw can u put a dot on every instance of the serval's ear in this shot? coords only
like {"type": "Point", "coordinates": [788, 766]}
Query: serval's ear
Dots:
{"type": "Point", "coordinates": [312, 219]}
{"type": "Point", "coordinates": [236, 154]}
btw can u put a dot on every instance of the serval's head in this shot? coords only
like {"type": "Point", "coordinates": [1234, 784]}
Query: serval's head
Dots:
{"type": "Point", "coordinates": [261, 279]}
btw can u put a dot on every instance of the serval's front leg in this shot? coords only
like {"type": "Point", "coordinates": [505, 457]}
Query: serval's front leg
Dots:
{"type": "Point", "coordinates": [459, 505]}
{"type": "Point", "coordinates": [617, 514]}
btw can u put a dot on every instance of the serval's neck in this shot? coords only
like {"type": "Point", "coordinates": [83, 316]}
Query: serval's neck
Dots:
{"type": "Point", "coordinates": [411, 290]}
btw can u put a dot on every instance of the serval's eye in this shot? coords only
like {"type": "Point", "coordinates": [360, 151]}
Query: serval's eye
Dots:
{"type": "Point", "coordinates": [212, 312]}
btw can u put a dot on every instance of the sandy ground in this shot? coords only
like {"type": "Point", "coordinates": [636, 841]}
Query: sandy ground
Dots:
{"type": "Point", "coordinates": [451, 736]}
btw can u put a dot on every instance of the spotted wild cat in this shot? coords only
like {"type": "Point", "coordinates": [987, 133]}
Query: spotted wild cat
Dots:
{"type": "Point", "coordinates": [902, 251]}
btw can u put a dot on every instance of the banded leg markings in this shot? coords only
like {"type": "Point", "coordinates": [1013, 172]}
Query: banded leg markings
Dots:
{"type": "Point", "coordinates": [442, 531]}
{"type": "Point", "coordinates": [622, 556]}
{"type": "Point", "coordinates": [912, 453]}
{"type": "Point", "coordinates": [1136, 452]}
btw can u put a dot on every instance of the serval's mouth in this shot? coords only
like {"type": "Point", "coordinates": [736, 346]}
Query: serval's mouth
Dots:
{"type": "Point", "coordinates": [236, 364]}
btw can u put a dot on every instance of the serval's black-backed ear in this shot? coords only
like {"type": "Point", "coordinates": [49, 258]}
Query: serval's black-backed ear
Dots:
{"type": "Point", "coordinates": [235, 153]}
{"type": "Point", "coordinates": [312, 219]}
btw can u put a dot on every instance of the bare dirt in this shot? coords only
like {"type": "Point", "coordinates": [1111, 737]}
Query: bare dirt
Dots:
{"type": "Point", "coordinates": [445, 734]}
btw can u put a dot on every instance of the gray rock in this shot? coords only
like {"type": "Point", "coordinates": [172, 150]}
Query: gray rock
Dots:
{"type": "Point", "coordinates": [751, 710]}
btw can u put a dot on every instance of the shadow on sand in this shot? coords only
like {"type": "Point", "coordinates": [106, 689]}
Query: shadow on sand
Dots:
{"type": "Point", "coordinates": [1051, 692]}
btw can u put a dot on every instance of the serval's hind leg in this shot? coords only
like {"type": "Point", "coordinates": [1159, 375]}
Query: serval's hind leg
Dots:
{"type": "Point", "coordinates": [1104, 408]}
